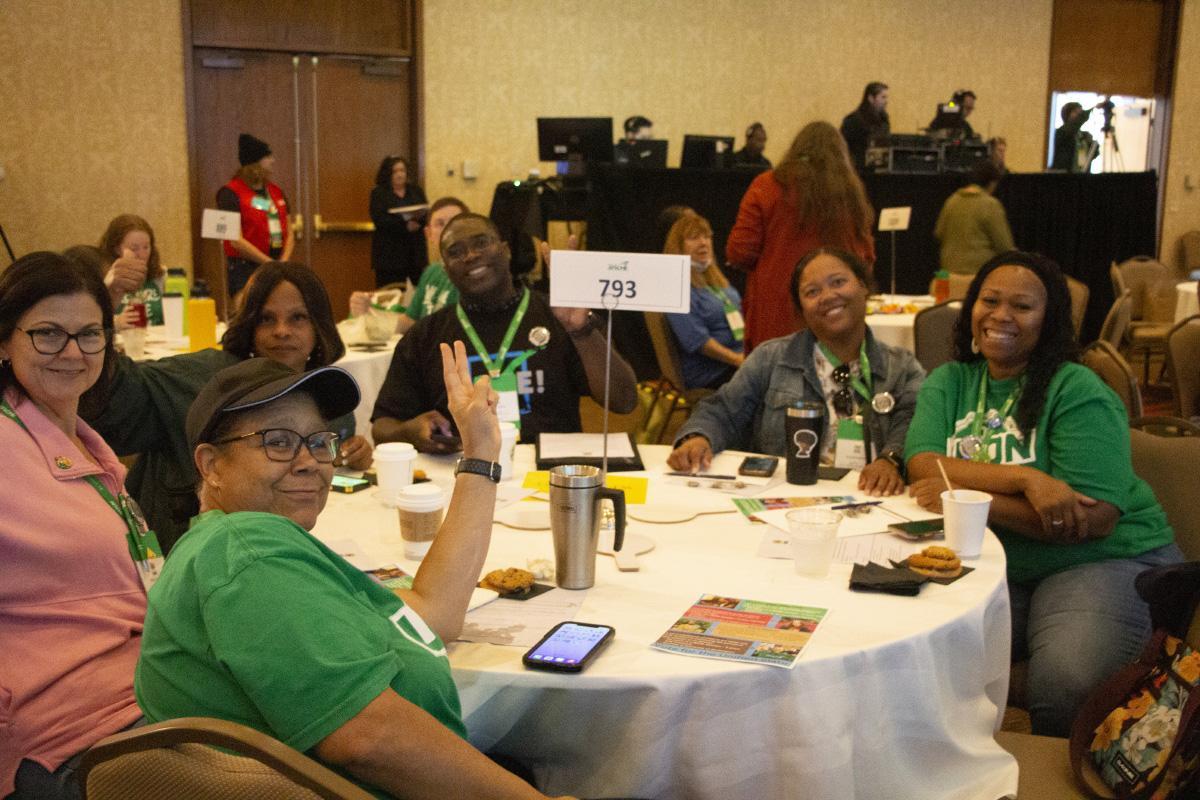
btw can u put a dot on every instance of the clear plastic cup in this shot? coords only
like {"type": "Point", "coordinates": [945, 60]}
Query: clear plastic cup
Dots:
{"type": "Point", "coordinates": [814, 537]}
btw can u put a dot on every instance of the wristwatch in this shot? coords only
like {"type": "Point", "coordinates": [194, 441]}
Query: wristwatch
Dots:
{"type": "Point", "coordinates": [477, 466]}
{"type": "Point", "coordinates": [894, 457]}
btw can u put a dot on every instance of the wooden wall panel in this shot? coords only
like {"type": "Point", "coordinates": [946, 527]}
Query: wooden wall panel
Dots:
{"type": "Point", "coordinates": [1106, 46]}
{"type": "Point", "coordinates": [351, 27]}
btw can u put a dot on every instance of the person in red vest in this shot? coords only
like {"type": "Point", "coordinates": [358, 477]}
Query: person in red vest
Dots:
{"type": "Point", "coordinates": [264, 209]}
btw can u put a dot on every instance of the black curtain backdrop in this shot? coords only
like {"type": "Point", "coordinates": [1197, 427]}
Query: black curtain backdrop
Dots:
{"type": "Point", "coordinates": [1084, 222]}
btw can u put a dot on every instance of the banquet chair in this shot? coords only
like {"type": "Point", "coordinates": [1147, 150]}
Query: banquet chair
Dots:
{"type": "Point", "coordinates": [666, 352]}
{"type": "Point", "coordinates": [1166, 463]}
{"type": "Point", "coordinates": [1116, 321]}
{"type": "Point", "coordinates": [1104, 360]}
{"type": "Point", "coordinates": [1118, 282]}
{"type": "Point", "coordinates": [1152, 288]}
{"type": "Point", "coordinates": [933, 334]}
{"type": "Point", "coordinates": [1079, 300]}
{"type": "Point", "coordinates": [1045, 766]}
{"type": "Point", "coordinates": [178, 758]}
{"type": "Point", "coordinates": [1183, 358]}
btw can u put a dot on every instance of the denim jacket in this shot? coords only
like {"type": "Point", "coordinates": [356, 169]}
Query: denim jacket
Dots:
{"type": "Point", "coordinates": [748, 412]}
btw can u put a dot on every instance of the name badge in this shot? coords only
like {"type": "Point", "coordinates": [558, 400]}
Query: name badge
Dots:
{"type": "Point", "coordinates": [850, 452]}
{"type": "Point", "coordinates": [736, 323]}
{"type": "Point", "coordinates": [260, 203]}
{"type": "Point", "coordinates": [508, 409]}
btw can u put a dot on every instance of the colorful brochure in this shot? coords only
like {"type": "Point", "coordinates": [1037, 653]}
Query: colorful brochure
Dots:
{"type": "Point", "coordinates": [734, 629]}
{"type": "Point", "coordinates": [750, 505]}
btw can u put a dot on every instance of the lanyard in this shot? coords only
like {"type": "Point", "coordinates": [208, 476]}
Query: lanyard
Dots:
{"type": "Point", "coordinates": [494, 367]}
{"type": "Point", "coordinates": [143, 545]}
{"type": "Point", "coordinates": [726, 301]}
{"type": "Point", "coordinates": [861, 382]}
{"type": "Point", "coordinates": [984, 424]}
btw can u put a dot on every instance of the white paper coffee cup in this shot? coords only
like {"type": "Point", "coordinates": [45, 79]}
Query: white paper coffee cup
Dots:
{"type": "Point", "coordinates": [966, 514]}
{"type": "Point", "coordinates": [421, 508]}
{"type": "Point", "coordinates": [393, 469]}
{"type": "Point", "coordinates": [508, 444]}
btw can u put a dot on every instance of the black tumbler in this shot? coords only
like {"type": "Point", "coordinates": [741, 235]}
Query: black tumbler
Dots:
{"type": "Point", "coordinates": [804, 424]}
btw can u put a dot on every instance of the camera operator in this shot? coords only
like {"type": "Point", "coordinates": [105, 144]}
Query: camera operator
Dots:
{"type": "Point", "coordinates": [1069, 140]}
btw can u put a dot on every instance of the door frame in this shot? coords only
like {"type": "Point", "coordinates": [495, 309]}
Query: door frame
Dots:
{"type": "Point", "coordinates": [197, 197]}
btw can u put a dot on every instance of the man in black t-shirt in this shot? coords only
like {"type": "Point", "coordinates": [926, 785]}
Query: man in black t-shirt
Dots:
{"type": "Point", "coordinates": [541, 359]}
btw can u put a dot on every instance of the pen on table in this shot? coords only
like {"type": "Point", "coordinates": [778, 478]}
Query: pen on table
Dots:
{"type": "Point", "coordinates": [703, 476]}
{"type": "Point", "coordinates": [858, 505]}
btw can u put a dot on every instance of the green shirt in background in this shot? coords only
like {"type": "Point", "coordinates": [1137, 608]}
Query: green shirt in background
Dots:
{"type": "Point", "coordinates": [255, 621]}
{"type": "Point", "coordinates": [972, 228]}
{"type": "Point", "coordinates": [151, 295]}
{"type": "Point", "coordinates": [1081, 438]}
{"type": "Point", "coordinates": [434, 291]}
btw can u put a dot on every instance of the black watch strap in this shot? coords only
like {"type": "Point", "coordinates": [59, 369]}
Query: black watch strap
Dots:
{"type": "Point", "coordinates": [895, 458]}
{"type": "Point", "coordinates": [477, 466]}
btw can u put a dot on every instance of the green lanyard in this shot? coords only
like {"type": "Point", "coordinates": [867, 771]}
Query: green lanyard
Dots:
{"type": "Point", "coordinates": [862, 382]}
{"type": "Point", "coordinates": [143, 544]}
{"type": "Point", "coordinates": [494, 367]}
{"type": "Point", "coordinates": [984, 426]}
{"type": "Point", "coordinates": [730, 308]}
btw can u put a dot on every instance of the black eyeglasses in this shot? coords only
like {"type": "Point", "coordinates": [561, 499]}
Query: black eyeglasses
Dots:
{"type": "Point", "coordinates": [282, 444]}
{"type": "Point", "coordinates": [52, 341]}
{"type": "Point", "coordinates": [843, 398]}
{"type": "Point", "coordinates": [479, 242]}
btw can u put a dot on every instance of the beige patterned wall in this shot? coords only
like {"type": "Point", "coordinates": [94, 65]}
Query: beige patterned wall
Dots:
{"type": "Point", "coordinates": [1181, 211]}
{"type": "Point", "coordinates": [714, 66]}
{"type": "Point", "coordinates": [93, 103]}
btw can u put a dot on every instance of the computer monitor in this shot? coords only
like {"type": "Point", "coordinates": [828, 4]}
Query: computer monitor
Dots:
{"type": "Point", "coordinates": [641, 153]}
{"type": "Point", "coordinates": [709, 152]}
{"type": "Point", "coordinates": [575, 138]}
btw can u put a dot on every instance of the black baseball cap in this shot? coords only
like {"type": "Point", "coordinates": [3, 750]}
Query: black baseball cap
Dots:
{"type": "Point", "coordinates": [258, 381]}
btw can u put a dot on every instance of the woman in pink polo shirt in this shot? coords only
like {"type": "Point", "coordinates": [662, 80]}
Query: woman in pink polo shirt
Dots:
{"type": "Point", "coordinates": [71, 597]}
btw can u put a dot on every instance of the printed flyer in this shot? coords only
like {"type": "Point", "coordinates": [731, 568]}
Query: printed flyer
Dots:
{"type": "Point", "coordinates": [734, 629]}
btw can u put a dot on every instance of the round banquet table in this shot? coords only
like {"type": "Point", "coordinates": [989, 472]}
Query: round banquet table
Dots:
{"type": "Point", "coordinates": [893, 697]}
{"type": "Point", "coordinates": [1185, 300]}
{"type": "Point", "coordinates": [369, 367]}
{"type": "Point", "coordinates": [896, 329]}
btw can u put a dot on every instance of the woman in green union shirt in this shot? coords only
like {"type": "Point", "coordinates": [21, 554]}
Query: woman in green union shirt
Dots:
{"type": "Point", "coordinates": [1016, 416]}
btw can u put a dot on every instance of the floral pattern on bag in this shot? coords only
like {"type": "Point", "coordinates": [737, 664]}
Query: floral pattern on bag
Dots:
{"type": "Point", "coordinates": [1134, 742]}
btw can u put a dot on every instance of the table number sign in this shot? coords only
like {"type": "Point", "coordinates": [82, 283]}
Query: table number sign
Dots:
{"type": "Point", "coordinates": [216, 224]}
{"type": "Point", "coordinates": [621, 281]}
{"type": "Point", "coordinates": [894, 219]}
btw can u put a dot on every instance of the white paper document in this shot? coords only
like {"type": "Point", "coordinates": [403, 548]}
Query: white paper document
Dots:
{"type": "Point", "coordinates": [521, 623]}
{"type": "Point", "coordinates": [583, 445]}
{"type": "Point", "coordinates": [882, 548]}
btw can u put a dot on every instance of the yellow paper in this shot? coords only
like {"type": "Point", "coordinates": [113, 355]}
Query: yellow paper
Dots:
{"type": "Point", "coordinates": [634, 488]}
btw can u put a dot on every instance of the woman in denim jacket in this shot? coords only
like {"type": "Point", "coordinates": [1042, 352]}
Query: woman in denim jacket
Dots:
{"type": "Point", "coordinates": [868, 389]}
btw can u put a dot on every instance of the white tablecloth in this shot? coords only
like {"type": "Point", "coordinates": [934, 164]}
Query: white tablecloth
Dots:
{"type": "Point", "coordinates": [895, 697]}
{"type": "Point", "coordinates": [896, 329]}
{"type": "Point", "coordinates": [1185, 300]}
{"type": "Point", "coordinates": [369, 368]}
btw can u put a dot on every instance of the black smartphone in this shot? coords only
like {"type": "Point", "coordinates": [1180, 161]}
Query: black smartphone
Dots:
{"type": "Point", "coordinates": [832, 473]}
{"type": "Point", "coordinates": [449, 441]}
{"type": "Point", "coordinates": [919, 531]}
{"type": "Point", "coordinates": [569, 646]}
{"type": "Point", "coordinates": [758, 466]}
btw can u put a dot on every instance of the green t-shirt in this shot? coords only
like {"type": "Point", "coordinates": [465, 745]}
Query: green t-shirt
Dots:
{"type": "Point", "coordinates": [433, 292]}
{"type": "Point", "coordinates": [1081, 438]}
{"type": "Point", "coordinates": [255, 621]}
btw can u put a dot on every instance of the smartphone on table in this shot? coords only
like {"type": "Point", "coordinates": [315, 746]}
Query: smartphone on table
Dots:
{"type": "Point", "coordinates": [919, 531]}
{"type": "Point", "coordinates": [569, 646]}
{"type": "Point", "coordinates": [758, 466]}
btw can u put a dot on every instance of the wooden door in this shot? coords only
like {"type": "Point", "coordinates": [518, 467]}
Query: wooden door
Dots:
{"type": "Point", "coordinates": [239, 92]}
{"type": "Point", "coordinates": [329, 121]}
{"type": "Point", "coordinates": [356, 113]}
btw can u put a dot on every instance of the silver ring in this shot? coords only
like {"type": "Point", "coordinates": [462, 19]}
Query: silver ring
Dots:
{"type": "Point", "coordinates": [1056, 522]}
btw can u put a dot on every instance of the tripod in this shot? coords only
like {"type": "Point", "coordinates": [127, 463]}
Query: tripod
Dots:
{"type": "Point", "coordinates": [1113, 160]}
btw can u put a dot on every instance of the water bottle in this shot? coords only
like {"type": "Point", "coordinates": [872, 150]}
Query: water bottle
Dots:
{"type": "Point", "coordinates": [202, 318]}
{"type": "Point", "coordinates": [176, 285]}
{"type": "Point", "coordinates": [804, 424]}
